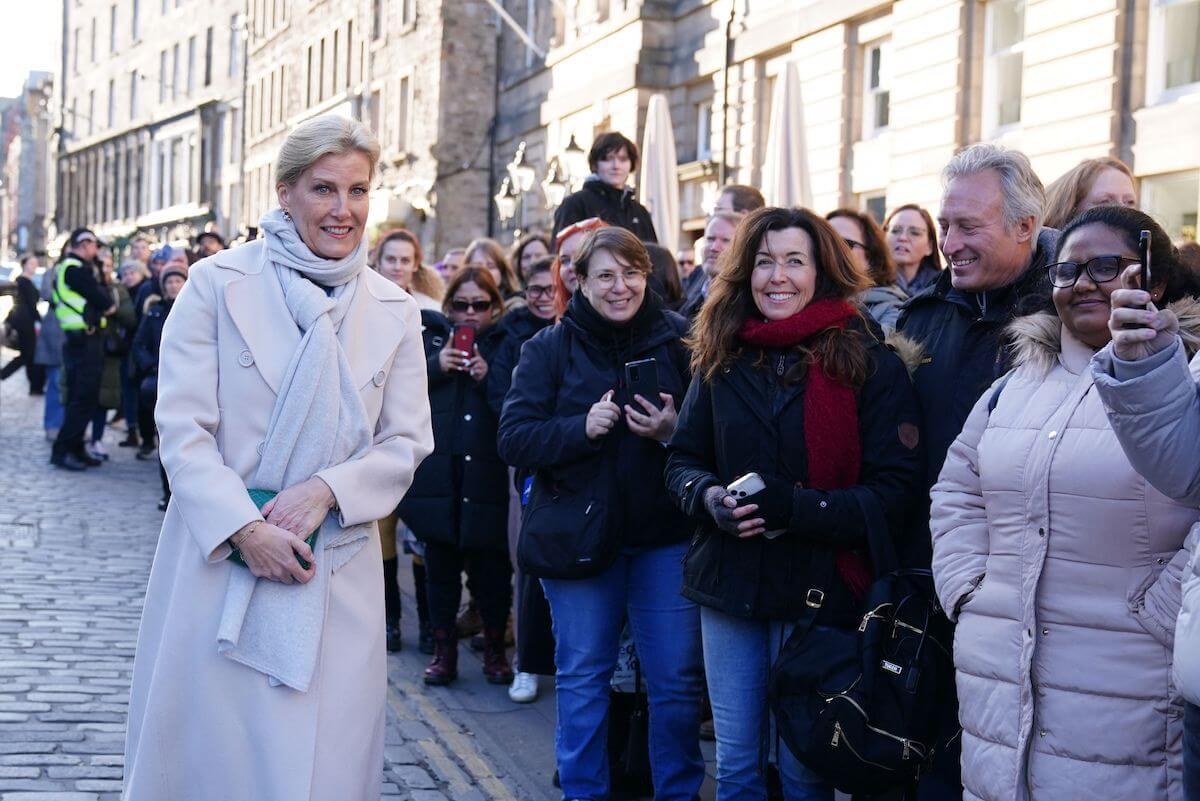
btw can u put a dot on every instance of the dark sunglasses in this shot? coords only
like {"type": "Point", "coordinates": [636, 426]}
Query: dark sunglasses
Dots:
{"type": "Point", "coordinates": [1101, 270]}
{"type": "Point", "coordinates": [470, 305]}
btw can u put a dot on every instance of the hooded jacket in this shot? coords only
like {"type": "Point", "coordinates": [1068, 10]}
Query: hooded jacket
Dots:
{"type": "Point", "coordinates": [1062, 565]}
{"type": "Point", "coordinates": [616, 207]}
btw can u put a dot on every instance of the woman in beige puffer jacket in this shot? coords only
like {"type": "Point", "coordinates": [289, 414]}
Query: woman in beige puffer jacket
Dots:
{"type": "Point", "coordinates": [1062, 567]}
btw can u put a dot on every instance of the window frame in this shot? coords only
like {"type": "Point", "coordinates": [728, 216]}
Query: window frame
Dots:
{"type": "Point", "coordinates": [1157, 91]}
{"type": "Point", "coordinates": [989, 91]}
{"type": "Point", "coordinates": [871, 94]}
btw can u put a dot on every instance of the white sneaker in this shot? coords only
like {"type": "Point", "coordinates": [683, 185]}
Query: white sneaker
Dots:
{"type": "Point", "coordinates": [524, 688]}
{"type": "Point", "coordinates": [97, 451]}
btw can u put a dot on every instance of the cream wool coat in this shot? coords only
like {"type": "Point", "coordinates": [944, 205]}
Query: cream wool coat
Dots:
{"type": "Point", "coordinates": [1063, 566]}
{"type": "Point", "coordinates": [205, 728]}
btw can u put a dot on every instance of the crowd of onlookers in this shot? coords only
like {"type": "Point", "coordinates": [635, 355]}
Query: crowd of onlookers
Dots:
{"type": "Point", "coordinates": [675, 463]}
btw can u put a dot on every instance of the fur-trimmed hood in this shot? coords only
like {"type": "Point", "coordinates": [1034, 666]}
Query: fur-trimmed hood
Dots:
{"type": "Point", "coordinates": [910, 351]}
{"type": "Point", "coordinates": [1036, 339]}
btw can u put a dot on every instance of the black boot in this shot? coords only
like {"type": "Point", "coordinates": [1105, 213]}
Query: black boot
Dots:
{"type": "Point", "coordinates": [425, 645]}
{"type": "Point", "coordinates": [391, 603]}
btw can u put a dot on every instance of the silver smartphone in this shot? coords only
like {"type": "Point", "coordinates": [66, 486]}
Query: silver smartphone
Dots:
{"type": "Point", "coordinates": [745, 486]}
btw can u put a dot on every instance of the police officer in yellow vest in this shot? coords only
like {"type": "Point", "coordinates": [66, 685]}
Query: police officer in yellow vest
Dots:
{"type": "Point", "coordinates": [81, 305]}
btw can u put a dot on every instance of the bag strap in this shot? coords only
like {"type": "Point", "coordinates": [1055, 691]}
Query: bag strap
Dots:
{"type": "Point", "coordinates": [995, 398]}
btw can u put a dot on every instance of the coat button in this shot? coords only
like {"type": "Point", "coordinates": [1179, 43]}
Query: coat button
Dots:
{"type": "Point", "coordinates": [245, 358]}
{"type": "Point", "coordinates": [466, 500]}
{"type": "Point", "coordinates": [467, 417]}
{"type": "Point", "coordinates": [467, 458]}
{"type": "Point", "coordinates": [1045, 632]}
{"type": "Point", "coordinates": [1041, 532]}
{"type": "Point", "coordinates": [379, 378]}
{"type": "Point", "coordinates": [1053, 434]}
{"type": "Point", "coordinates": [1042, 733]}
{"type": "Point", "coordinates": [824, 504]}
{"type": "Point", "coordinates": [1161, 561]}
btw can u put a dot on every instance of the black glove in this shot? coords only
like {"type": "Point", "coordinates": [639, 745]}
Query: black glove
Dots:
{"type": "Point", "coordinates": [775, 502]}
{"type": "Point", "coordinates": [721, 514]}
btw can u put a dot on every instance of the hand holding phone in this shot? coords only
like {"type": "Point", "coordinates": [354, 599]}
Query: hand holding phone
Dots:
{"type": "Point", "coordinates": [748, 489]}
{"type": "Point", "coordinates": [1138, 328]}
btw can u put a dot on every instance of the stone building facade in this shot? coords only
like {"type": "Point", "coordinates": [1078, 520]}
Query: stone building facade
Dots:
{"type": "Point", "coordinates": [889, 89]}
{"type": "Point", "coordinates": [149, 92]}
{"type": "Point", "coordinates": [26, 194]}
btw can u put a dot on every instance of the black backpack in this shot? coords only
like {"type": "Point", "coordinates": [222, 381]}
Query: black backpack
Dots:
{"type": "Point", "coordinates": [862, 707]}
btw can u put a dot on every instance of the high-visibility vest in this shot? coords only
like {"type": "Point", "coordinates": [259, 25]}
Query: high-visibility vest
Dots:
{"type": "Point", "coordinates": [69, 304]}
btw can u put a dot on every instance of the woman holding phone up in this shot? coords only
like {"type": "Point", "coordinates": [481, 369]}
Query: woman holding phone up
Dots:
{"type": "Point", "coordinates": [613, 541]}
{"type": "Point", "coordinates": [789, 385]}
{"type": "Point", "coordinates": [458, 504]}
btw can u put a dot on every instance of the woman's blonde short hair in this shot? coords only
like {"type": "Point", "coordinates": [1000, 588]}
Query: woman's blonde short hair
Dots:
{"type": "Point", "coordinates": [310, 141]}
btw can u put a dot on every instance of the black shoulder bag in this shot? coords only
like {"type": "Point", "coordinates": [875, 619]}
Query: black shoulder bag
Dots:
{"type": "Point", "coordinates": [861, 708]}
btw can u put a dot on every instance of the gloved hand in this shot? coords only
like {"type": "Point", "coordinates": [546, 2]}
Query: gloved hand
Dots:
{"type": "Point", "coordinates": [775, 502]}
{"type": "Point", "coordinates": [741, 521]}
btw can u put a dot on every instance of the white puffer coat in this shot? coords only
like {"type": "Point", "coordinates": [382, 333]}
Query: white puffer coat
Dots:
{"type": "Point", "coordinates": [1062, 566]}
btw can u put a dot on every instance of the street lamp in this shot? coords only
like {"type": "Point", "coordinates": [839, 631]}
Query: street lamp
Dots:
{"type": "Point", "coordinates": [506, 201]}
{"type": "Point", "coordinates": [577, 163]}
{"type": "Point", "coordinates": [556, 183]}
{"type": "Point", "coordinates": [521, 174]}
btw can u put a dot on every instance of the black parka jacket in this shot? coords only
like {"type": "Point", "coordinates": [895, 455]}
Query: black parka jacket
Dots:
{"type": "Point", "coordinates": [616, 207]}
{"type": "Point", "coordinates": [748, 419]}
{"type": "Point", "coordinates": [459, 494]}
{"type": "Point", "coordinates": [561, 373]}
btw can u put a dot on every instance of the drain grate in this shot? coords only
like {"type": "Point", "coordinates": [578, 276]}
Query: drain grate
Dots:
{"type": "Point", "coordinates": [18, 535]}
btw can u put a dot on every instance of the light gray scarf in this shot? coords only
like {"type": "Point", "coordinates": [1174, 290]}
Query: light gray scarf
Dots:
{"type": "Point", "coordinates": [318, 421]}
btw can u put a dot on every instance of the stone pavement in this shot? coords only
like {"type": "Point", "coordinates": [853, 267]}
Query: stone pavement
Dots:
{"type": "Point", "coordinates": [75, 553]}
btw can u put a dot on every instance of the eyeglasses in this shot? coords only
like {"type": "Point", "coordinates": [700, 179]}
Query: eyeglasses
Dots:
{"type": "Point", "coordinates": [1101, 270]}
{"type": "Point", "coordinates": [853, 244]}
{"type": "Point", "coordinates": [607, 280]}
{"type": "Point", "coordinates": [913, 233]}
{"type": "Point", "coordinates": [470, 305]}
{"type": "Point", "coordinates": [537, 292]}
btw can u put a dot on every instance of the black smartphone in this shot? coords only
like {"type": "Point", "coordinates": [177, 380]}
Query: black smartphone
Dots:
{"type": "Point", "coordinates": [1144, 255]}
{"type": "Point", "coordinates": [641, 377]}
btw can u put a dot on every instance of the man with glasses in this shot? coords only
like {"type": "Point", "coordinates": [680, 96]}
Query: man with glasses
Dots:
{"type": "Point", "coordinates": [81, 305]}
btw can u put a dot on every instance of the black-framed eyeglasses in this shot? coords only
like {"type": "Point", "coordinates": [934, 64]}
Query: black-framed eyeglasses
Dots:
{"type": "Point", "coordinates": [1100, 269]}
{"type": "Point", "coordinates": [464, 306]}
{"type": "Point", "coordinates": [537, 292]}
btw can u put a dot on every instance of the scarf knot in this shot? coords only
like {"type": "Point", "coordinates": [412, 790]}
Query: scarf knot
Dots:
{"type": "Point", "coordinates": [831, 437]}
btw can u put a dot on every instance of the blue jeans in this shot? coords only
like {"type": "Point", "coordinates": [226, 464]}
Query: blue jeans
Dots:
{"type": "Point", "coordinates": [738, 655]}
{"type": "Point", "coordinates": [588, 615]}
{"type": "Point", "coordinates": [1191, 752]}
{"type": "Point", "coordinates": [52, 412]}
{"type": "Point", "coordinates": [129, 394]}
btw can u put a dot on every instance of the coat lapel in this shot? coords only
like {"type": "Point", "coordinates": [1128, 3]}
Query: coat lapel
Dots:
{"type": "Point", "coordinates": [256, 306]}
{"type": "Point", "coordinates": [371, 331]}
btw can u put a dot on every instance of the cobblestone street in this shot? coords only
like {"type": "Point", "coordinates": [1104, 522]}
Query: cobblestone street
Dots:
{"type": "Point", "coordinates": [75, 552]}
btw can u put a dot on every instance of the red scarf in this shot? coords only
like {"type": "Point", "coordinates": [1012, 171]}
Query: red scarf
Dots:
{"type": "Point", "coordinates": [830, 414]}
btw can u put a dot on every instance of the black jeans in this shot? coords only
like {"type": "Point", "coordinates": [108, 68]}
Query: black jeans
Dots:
{"type": "Point", "coordinates": [26, 344]}
{"type": "Point", "coordinates": [1191, 752]}
{"type": "Point", "coordinates": [490, 575]}
{"type": "Point", "coordinates": [146, 403]}
{"type": "Point", "coordinates": [83, 364]}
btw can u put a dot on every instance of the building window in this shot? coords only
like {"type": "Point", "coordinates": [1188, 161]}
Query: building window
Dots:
{"type": "Point", "coordinates": [308, 91]}
{"type": "Point", "coordinates": [374, 112]}
{"type": "Point", "coordinates": [404, 105]}
{"type": "Point", "coordinates": [349, 50]}
{"type": "Point", "coordinates": [134, 21]}
{"type": "Point", "coordinates": [175, 71]}
{"type": "Point", "coordinates": [321, 74]}
{"type": "Point", "coordinates": [333, 87]}
{"type": "Point", "coordinates": [235, 28]}
{"type": "Point", "coordinates": [378, 9]}
{"type": "Point", "coordinates": [408, 13]}
{"type": "Point", "coordinates": [112, 29]}
{"type": "Point", "coordinates": [91, 115]}
{"type": "Point", "coordinates": [133, 95]}
{"type": "Point", "coordinates": [162, 77]}
{"type": "Point", "coordinates": [166, 6]}
{"type": "Point", "coordinates": [112, 102]}
{"type": "Point", "coordinates": [1173, 200]}
{"type": "Point", "coordinates": [93, 40]}
{"type": "Point", "coordinates": [877, 85]}
{"type": "Point", "coordinates": [704, 132]}
{"type": "Point", "coordinates": [1173, 57]}
{"type": "Point", "coordinates": [1004, 33]}
{"type": "Point", "coordinates": [208, 56]}
{"type": "Point", "coordinates": [191, 64]}
{"type": "Point", "coordinates": [876, 206]}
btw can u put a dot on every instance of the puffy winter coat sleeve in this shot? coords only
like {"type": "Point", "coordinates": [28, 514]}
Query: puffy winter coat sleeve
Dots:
{"type": "Point", "coordinates": [500, 372]}
{"type": "Point", "coordinates": [532, 433]}
{"type": "Point", "coordinates": [890, 471]}
{"type": "Point", "coordinates": [1156, 416]}
{"type": "Point", "coordinates": [145, 346]}
{"type": "Point", "coordinates": [211, 495]}
{"type": "Point", "coordinates": [369, 488]}
{"type": "Point", "coordinates": [958, 516]}
{"type": "Point", "coordinates": [691, 453]}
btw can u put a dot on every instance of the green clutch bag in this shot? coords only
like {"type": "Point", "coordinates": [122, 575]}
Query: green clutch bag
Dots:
{"type": "Point", "coordinates": [260, 498]}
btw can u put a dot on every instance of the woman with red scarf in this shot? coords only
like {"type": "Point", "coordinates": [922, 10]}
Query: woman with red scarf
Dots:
{"type": "Point", "coordinates": [790, 383]}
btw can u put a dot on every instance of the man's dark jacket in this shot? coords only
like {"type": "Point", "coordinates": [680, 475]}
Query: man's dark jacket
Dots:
{"type": "Point", "coordinates": [616, 207]}
{"type": "Point", "coordinates": [965, 350]}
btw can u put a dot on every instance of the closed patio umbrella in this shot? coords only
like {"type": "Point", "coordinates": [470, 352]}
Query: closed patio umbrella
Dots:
{"type": "Point", "coordinates": [785, 178]}
{"type": "Point", "coordinates": [658, 183]}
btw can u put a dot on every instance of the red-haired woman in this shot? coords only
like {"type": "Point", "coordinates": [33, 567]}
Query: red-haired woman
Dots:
{"type": "Point", "coordinates": [565, 244]}
{"type": "Point", "coordinates": [789, 384]}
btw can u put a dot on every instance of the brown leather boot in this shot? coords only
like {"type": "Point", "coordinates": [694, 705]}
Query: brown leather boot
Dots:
{"type": "Point", "coordinates": [444, 667]}
{"type": "Point", "coordinates": [495, 663]}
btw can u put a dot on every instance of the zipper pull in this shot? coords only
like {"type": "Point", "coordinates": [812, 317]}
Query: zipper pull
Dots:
{"type": "Point", "coordinates": [837, 735]}
{"type": "Point", "coordinates": [779, 367]}
{"type": "Point", "coordinates": [905, 756]}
